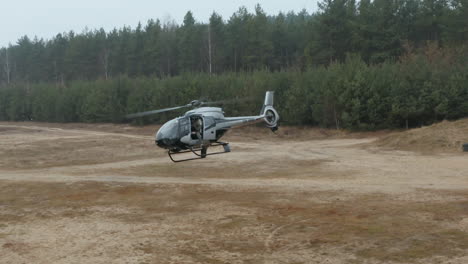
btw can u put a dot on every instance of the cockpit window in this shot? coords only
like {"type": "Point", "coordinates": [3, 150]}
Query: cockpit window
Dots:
{"type": "Point", "coordinates": [169, 130]}
{"type": "Point", "coordinates": [184, 126]}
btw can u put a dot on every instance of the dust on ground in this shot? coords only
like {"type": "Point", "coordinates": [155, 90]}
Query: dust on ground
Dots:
{"type": "Point", "coordinates": [82, 193]}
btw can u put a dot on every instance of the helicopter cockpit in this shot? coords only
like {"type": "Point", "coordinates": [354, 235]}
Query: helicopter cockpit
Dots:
{"type": "Point", "coordinates": [172, 131]}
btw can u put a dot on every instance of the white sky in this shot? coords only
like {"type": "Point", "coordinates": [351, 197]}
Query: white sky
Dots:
{"type": "Point", "coordinates": [46, 18]}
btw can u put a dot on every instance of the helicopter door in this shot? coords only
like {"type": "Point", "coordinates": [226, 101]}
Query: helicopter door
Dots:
{"type": "Point", "coordinates": [196, 128]}
{"type": "Point", "coordinates": [209, 128]}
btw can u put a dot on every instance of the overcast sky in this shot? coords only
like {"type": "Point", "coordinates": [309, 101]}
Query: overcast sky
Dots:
{"type": "Point", "coordinates": [46, 18]}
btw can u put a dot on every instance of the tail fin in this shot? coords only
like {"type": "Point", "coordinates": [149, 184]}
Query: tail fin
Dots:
{"type": "Point", "coordinates": [269, 113]}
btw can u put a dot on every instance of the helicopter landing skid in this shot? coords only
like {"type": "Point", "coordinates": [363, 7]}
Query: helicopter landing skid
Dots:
{"type": "Point", "coordinates": [201, 153]}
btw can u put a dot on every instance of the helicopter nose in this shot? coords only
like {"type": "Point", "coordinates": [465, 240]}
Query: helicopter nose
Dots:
{"type": "Point", "coordinates": [164, 141]}
{"type": "Point", "coordinates": [161, 141]}
{"type": "Point", "coordinates": [167, 136]}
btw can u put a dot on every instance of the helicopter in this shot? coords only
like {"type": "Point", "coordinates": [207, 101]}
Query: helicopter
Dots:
{"type": "Point", "coordinates": [202, 127]}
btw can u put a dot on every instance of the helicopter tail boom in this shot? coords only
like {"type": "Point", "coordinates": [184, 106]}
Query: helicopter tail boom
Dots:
{"type": "Point", "coordinates": [267, 114]}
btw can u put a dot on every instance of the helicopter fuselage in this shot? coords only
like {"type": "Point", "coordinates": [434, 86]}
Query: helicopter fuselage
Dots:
{"type": "Point", "coordinates": [202, 127]}
{"type": "Point", "coordinates": [199, 128]}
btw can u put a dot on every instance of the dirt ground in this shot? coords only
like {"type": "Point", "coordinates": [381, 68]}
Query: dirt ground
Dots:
{"type": "Point", "coordinates": [84, 193]}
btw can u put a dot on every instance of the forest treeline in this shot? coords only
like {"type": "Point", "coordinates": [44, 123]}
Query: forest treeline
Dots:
{"type": "Point", "coordinates": [352, 64]}
{"type": "Point", "coordinates": [378, 31]}
{"type": "Point", "coordinates": [419, 89]}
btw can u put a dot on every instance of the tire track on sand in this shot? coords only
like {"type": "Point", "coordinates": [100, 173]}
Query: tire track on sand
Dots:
{"type": "Point", "coordinates": [77, 131]}
{"type": "Point", "coordinates": [283, 183]}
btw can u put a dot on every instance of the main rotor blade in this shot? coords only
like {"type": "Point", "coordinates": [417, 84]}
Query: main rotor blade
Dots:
{"type": "Point", "coordinates": [194, 103]}
{"type": "Point", "coordinates": [229, 101]}
{"type": "Point", "coordinates": [155, 111]}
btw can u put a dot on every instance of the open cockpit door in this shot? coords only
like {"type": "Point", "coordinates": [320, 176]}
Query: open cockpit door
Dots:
{"type": "Point", "coordinates": [196, 127]}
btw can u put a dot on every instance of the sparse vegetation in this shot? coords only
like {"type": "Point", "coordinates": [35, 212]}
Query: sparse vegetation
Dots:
{"type": "Point", "coordinates": [442, 137]}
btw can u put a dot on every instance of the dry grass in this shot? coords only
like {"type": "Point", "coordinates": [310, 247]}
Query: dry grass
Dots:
{"type": "Point", "coordinates": [267, 170]}
{"type": "Point", "coordinates": [252, 223]}
{"type": "Point", "coordinates": [35, 148]}
{"type": "Point", "coordinates": [329, 201]}
{"type": "Point", "coordinates": [285, 133]}
{"type": "Point", "coordinates": [441, 137]}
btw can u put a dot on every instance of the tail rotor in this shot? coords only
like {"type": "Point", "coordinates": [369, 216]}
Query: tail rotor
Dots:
{"type": "Point", "coordinates": [271, 116]}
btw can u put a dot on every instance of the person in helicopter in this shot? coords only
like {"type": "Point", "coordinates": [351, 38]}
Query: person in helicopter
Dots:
{"type": "Point", "coordinates": [197, 125]}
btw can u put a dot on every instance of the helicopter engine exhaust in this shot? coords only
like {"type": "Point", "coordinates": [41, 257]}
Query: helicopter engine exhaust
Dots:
{"type": "Point", "coordinates": [271, 116]}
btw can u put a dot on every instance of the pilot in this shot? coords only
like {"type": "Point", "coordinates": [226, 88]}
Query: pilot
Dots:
{"type": "Point", "coordinates": [198, 127]}
{"type": "Point", "coordinates": [197, 124]}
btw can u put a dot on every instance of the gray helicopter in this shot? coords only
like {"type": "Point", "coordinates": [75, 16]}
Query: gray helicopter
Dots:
{"type": "Point", "coordinates": [202, 127]}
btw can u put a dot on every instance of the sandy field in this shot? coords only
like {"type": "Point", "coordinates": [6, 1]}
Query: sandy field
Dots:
{"type": "Point", "coordinates": [101, 193]}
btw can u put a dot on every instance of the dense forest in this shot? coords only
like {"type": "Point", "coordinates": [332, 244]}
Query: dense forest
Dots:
{"type": "Point", "coordinates": [352, 64]}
